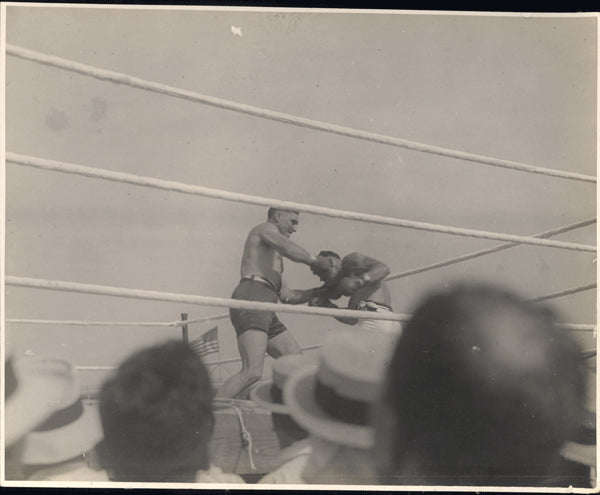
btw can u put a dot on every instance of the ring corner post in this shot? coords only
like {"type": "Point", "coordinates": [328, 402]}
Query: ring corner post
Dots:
{"type": "Point", "coordinates": [184, 328]}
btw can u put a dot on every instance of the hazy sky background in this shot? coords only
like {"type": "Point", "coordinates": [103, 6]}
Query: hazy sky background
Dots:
{"type": "Point", "coordinates": [519, 88]}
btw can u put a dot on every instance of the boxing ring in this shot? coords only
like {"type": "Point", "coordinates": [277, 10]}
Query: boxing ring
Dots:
{"type": "Point", "coordinates": [542, 239]}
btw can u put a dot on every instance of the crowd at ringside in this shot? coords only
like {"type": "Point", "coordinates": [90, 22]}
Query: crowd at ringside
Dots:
{"type": "Point", "coordinates": [479, 388]}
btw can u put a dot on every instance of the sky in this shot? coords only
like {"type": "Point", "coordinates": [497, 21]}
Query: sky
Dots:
{"type": "Point", "coordinates": [519, 88]}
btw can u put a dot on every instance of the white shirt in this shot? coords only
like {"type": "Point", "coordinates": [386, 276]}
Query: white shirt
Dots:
{"type": "Point", "coordinates": [294, 460]}
{"type": "Point", "coordinates": [81, 472]}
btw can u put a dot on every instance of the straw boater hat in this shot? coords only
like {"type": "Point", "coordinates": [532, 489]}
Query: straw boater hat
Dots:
{"type": "Point", "coordinates": [34, 389]}
{"type": "Point", "coordinates": [333, 402]}
{"type": "Point", "coordinates": [268, 394]}
{"type": "Point", "coordinates": [46, 409]}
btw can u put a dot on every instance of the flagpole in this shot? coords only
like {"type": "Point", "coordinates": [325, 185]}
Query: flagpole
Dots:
{"type": "Point", "coordinates": [184, 328]}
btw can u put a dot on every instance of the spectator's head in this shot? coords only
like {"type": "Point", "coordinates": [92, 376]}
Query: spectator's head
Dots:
{"type": "Point", "coordinates": [269, 395]}
{"type": "Point", "coordinates": [157, 416]}
{"type": "Point", "coordinates": [333, 403]}
{"type": "Point", "coordinates": [46, 422]}
{"type": "Point", "coordinates": [483, 388]}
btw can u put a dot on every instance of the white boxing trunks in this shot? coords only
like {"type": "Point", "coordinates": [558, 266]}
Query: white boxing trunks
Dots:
{"type": "Point", "coordinates": [385, 326]}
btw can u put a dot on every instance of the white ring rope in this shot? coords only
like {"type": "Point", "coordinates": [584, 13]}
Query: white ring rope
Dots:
{"type": "Point", "coordinates": [258, 200]}
{"type": "Point", "coordinates": [564, 292]}
{"type": "Point", "coordinates": [120, 78]}
{"type": "Point", "coordinates": [245, 434]}
{"type": "Point", "coordinates": [86, 323]}
{"type": "Point", "coordinates": [579, 327]}
{"type": "Point", "coordinates": [483, 252]}
{"type": "Point", "coordinates": [105, 290]}
{"type": "Point", "coordinates": [199, 300]}
{"type": "Point", "coordinates": [221, 316]}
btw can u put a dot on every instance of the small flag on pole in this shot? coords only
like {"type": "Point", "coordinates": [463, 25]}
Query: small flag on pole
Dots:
{"type": "Point", "coordinates": [206, 343]}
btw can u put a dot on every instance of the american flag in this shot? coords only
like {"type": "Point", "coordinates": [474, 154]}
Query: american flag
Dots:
{"type": "Point", "coordinates": [206, 343]}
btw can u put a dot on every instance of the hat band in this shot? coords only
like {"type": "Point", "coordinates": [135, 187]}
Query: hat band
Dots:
{"type": "Point", "coordinates": [276, 394]}
{"type": "Point", "coordinates": [62, 417]}
{"type": "Point", "coordinates": [341, 408]}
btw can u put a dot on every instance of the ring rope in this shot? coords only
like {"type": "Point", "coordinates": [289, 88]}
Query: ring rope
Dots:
{"type": "Point", "coordinates": [221, 316]}
{"type": "Point", "coordinates": [86, 323]}
{"type": "Point", "coordinates": [121, 78]}
{"type": "Point", "coordinates": [310, 347]}
{"type": "Point", "coordinates": [579, 326]}
{"type": "Point", "coordinates": [193, 299]}
{"type": "Point", "coordinates": [246, 437]}
{"type": "Point", "coordinates": [483, 252]}
{"type": "Point", "coordinates": [565, 292]}
{"type": "Point", "coordinates": [105, 290]}
{"type": "Point", "coordinates": [122, 177]}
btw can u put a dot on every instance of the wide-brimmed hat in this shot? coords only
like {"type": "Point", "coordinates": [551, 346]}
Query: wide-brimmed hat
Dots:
{"type": "Point", "coordinates": [576, 452]}
{"type": "Point", "coordinates": [334, 401]}
{"type": "Point", "coordinates": [68, 433]}
{"type": "Point", "coordinates": [47, 411]}
{"type": "Point", "coordinates": [269, 393]}
{"type": "Point", "coordinates": [35, 388]}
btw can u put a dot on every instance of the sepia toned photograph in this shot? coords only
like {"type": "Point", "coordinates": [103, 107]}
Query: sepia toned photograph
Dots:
{"type": "Point", "coordinates": [275, 248]}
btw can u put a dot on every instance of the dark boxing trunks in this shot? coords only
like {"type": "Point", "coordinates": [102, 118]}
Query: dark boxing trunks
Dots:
{"type": "Point", "coordinates": [246, 319]}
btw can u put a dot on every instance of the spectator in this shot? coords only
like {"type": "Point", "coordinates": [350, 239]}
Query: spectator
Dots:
{"type": "Point", "coordinates": [60, 449]}
{"type": "Point", "coordinates": [157, 418]}
{"type": "Point", "coordinates": [482, 389]}
{"type": "Point", "coordinates": [293, 439]}
{"type": "Point", "coordinates": [333, 403]}
{"type": "Point", "coordinates": [47, 427]}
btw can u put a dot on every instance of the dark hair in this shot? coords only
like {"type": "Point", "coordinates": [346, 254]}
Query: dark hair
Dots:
{"type": "Point", "coordinates": [484, 388]}
{"type": "Point", "coordinates": [272, 211]}
{"type": "Point", "coordinates": [329, 254]}
{"type": "Point", "coordinates": [157, 416]}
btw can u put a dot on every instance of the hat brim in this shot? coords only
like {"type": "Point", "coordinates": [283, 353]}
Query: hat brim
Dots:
{"type": "Point", "coordinates": [299, 395]}
{"type": "Point", "coordinates": [261, 395]}
{"type": "Point", "coordinates": [37, 396]}
{"type": "Point", "coordinates": [583, 454]}
{"type": "Point", "coordinates": [67, 442]}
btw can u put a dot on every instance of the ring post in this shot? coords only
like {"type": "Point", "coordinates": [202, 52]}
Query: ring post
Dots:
{"type": "Point", "coordinates": [184, 328]}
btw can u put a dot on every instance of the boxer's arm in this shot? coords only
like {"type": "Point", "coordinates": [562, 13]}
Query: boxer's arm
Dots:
{"type": "Point", "coordinates": [347, 320]}
{"type": "Point", "coordinates": [271, 236]}
{"type": "Point", "coordinates": [344, 319]}
{"type": "Point", "coordinates": [369, 270]}
{"type": "Point", "coordinates": [298, 296]}
{"type": "Point", "coordinates": [323, 302]}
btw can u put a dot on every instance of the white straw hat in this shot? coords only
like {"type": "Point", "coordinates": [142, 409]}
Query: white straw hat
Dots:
{"type": "Point", "coordinates": [35, 389]}
{"type": "Point", "coordinates": [268, 394]}
{"type": "Point", "coordinates": [334, 401]}
{"type": "Point", "coordinates": [68, 433]}
{"type": "Point", "coordinates": [576, 452]}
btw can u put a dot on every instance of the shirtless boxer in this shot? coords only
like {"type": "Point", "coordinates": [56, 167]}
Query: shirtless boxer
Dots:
{"type": "Point", "coordinates": [262, 266]}
{"type": "Point", "coordinates": [362, 279]}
